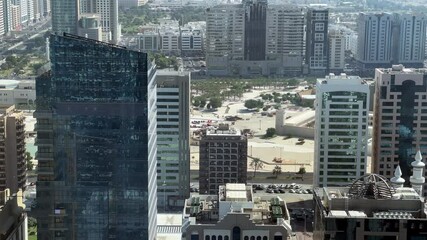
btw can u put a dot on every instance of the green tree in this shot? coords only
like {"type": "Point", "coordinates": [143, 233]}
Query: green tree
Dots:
{"type": "Point", "coordinates": [270, 132]}
{"type": "Point", "coordinates": [256, 164]}
{"type": "Point", "coordinates": [196, 101]}
{"type": "Point", "coordinates": [252, 103]}
{"type": "Point", "coordinates": [277, 171]}
{"type": "Point", "coordinates": [28, 158]}
{"type": "Point", "coordinates": [215, 103]}
{"type": "Point", "coordinates": [301, 172]}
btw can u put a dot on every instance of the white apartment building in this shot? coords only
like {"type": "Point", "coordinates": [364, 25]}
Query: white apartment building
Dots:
{"type": "Point", "coordinates": [2, 19]}
{"type": "Point", "coordinates": [169, 39]}
{"type": "Point", "coordinates": [16, 17]}
{"type": "Point", "coordinates": [173, 147]}
{"type": "Point", "coordinates": [14, 92]}
{"type": "Point", "coordinates": [192, 37]}
{"type": "Point", "coordinates": [351, 41]}
{"type": "Point", "coordinates": [341, 131]}
{"type": "Point", "coordinates": [412, 39]}
{"type": "Point", "coordinates": [374, 39]}
{"type": "Point", "coordinates": [336, 50]}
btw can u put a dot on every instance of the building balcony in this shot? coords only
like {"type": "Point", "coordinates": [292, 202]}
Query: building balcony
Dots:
{"type": "Point", "coordinates": [42, 114]}
{"type": "Point", "coordinates": [43, 141]}
{"type": "Point", "coordinates": [45, 170]}
{"type": "Point", "coordinates": [41, 155]}
{"type": "Point", "coordinates": [43, 127]}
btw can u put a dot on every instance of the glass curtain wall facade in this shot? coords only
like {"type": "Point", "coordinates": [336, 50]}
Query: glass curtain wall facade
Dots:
{"type": "Point", "coordinates": [65, 14]}
{"type": "Point", "coordinates": [96, 137]}
{"type": "Point", "coordinates": [341, 130]}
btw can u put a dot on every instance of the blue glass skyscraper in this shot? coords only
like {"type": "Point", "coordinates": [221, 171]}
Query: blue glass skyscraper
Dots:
{"type": "Point", "coordinates": [96, 138]}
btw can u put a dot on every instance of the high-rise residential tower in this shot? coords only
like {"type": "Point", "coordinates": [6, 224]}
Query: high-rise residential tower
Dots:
{"type": "Point", "coordinates": [13, 168]}
{"type": "Point", "coordinates": [223, 158]}
{"type": "Point", "coordinates": [336, 50]}
{"type": "Point", "coordinates": [412, 39]}
{"type": "Point", "coordinates": [374, 48]}
{"type": "Point", "coordinates": [96, 139]}
{"type": "Point", "coordinates": [65, 14]}
{"type": "Point", "coordinates": [341, 135]}
{"type": "Point", "coordinates": [317, 41]}
{"type": "Point", "coordinates": [400, 115]}
{"type": "Point", "coordinates": [254, 38]}
{"type": "Point", "coordinates": [173, 129]}
{"type": "Point", "coordinates": [2, 18]}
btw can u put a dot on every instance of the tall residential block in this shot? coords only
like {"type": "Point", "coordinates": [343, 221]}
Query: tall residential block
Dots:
{"type": "Point", "coordinates": [261, 39]}
{"type": "Point", "coordinates": [317, 41]}
{"type": "Point", "coordinates": [173, 129]}
{"type": "Point", "coordinates": [341, 131]}
{"type": "Point", "coordinates": [2, 18]}
{"type": "Point", "coordinates": [108, 10]}
{"type": "Point", "coordinates": [223, 158]}
{"type": "Point", "coordinates": [374, 46]}
{"type": "Point", "coordinates": [412, 39]}
{"type": "Point", "coordinates": [400, 120]}
{"type": "Point", "coordinates": [13, 218]}
{"type": "Point", "coordinates": [386, 39]}
{"type": "Point", "coordinates": [65, 14]}
{"type": "Point", "coordinates": [13, 167]}
{"type": "Point", "coordinates": [337, 43]}
{"type": "Point", "coordinates": [96, 139]}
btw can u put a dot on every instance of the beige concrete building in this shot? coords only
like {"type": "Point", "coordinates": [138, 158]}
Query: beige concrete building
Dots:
{"type": "Point", "coordinates": [13, 219]}
{"type": "Point", "coordinates": [13, 168]}
{"type": "Point", "coordinates": [400, 115]}
{"type": "Point", "coordinates": [235, 214]}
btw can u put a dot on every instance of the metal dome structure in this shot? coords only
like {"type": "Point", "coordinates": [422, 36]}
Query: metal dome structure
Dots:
{"type": "Point", "coordinates": [371, 186]}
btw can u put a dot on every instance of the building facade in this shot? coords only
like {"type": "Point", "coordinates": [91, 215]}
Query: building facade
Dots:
{"type": "Point", "coordinates": [13, 218]}
{"type": "Point", "coordinates": [13, 167]}
{"type": "Point", "coordinates": [337, 49]}
{"type": "Point", "coordinates": [173, 147]}
{"type": "Point", "coordinates": [89, 26]}
{"type": "Point", "coordinates": [65, 14]}
{"type": "Point", "coordinates": [399, 122]}
{"type": "Point", "coordinates": [412, 39]}
{"type": "Point", "coordinates": [223, 158]}
{"type": "Point", "coordinates": [317, 42]}
{"type": "Point", "coordinates": [386, 39]}
{"type": "Point", "coordinates": [234, 213]}
{"type": "Point", "coordinates": [261, 39]}
{"type": "Point", "coordinates": [132, 3]}
{"type": "Point", "coordinates": [96, 139]}
{"type": "Point", "coordinates": [369, 209]}
{"type": "Point", "coordinates": [341, 130]}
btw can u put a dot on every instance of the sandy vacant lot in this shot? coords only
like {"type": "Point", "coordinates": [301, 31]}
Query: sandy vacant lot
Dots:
{"type": "Point", "coordinates": [293, 155]}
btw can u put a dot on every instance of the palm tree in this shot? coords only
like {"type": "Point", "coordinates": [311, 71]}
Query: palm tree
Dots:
{"type": "Point", "coordinates": [277, 171]}
{"type": "Point", "coordinates": [302, 172]}
{"type": "Point", "coordinates": [256, 164]}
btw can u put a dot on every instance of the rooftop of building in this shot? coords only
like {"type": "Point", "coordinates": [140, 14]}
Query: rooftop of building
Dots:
{"type": "Point", "coordinates": [400, 69]}
{"type": "Point", "coordinates": [206, 209]}
{"type": "Point", "coordinates": [371, 196]}
{"type": "Point", "coordinates": [169, 226]}
{"type": "Point", "coordinates": [223, 130]}
{"type": "Point", "coordinates": [341, 79]}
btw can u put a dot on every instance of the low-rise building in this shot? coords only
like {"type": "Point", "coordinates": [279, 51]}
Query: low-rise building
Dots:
{"type": "Point", "coordinates": [235, 214]}
{"type": "Point", "coordinates": [14, 92]}
{"type": "Point", "coordinates": [13, 219]}
{"type": "Point", "coordinates": [371, 208]}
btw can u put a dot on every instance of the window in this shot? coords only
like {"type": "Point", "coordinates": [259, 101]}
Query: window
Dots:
{"type": "Point", "coordinates": [318, 37]}
{"type": "Point", "coordinates": [319, 27]}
